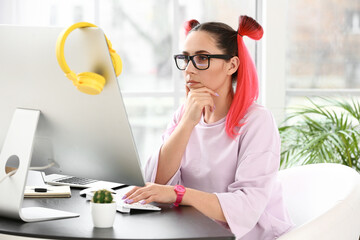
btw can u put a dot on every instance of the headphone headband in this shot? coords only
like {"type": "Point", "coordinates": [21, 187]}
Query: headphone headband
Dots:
{"type": "Point", "coordinates": [60, 45]}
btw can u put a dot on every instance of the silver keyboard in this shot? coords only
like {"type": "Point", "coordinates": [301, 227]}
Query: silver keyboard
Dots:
{"type": "Point", "coordinates": [76, 180]}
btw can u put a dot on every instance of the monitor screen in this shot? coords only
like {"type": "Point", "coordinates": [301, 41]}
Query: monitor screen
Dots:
{"type": "Point", "coordinates": [85, 135]}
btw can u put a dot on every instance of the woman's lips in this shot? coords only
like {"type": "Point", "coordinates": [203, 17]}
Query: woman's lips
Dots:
{"type": "Point", "coordinates": [191, 83]}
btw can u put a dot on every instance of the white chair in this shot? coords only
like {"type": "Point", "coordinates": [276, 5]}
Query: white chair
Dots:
{"type": "Point", "coordinates": [323, 200]}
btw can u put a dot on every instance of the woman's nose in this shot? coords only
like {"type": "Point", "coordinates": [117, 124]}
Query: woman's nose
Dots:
{"type": "Point", "coordinates": [190, 67]}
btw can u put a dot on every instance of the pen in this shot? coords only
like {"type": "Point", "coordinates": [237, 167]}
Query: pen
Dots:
{"type": "Point", "coordinates": [41, 190]}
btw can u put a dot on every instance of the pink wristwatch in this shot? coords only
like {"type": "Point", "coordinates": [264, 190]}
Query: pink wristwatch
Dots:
{"type": "Point", "coordinates": [180, 191]}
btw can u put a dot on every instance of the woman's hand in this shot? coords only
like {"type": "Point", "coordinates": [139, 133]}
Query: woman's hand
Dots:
{"type": "Point", "coordinates": [197, 101]}
{"type": "Point", "coordinates": [207, 203]}
{"type": "Point", "coordinates": [151, 193]}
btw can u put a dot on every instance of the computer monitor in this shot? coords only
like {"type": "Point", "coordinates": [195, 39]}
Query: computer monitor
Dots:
{"type": "Point", "coordinates": [85, 135]}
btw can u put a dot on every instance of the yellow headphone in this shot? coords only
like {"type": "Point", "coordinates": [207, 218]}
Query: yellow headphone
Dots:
{"type": "Point", "coordinates": [86, 82]}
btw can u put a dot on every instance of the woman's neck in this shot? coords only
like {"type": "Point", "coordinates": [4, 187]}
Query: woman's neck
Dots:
{"type": "Point", "coordinates": [222, 106]}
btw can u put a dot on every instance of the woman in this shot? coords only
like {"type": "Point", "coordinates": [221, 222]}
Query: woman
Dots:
{"type": "Point", "coordinates": [222, 150]}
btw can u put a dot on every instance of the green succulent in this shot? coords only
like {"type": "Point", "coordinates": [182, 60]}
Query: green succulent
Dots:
{"type": "Point", "coordinates": [102, 196]}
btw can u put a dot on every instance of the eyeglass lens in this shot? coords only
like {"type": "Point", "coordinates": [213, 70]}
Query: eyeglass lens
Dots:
{"type": "Point", "coordinates": [200, 61]}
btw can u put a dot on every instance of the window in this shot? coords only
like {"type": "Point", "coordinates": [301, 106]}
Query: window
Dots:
{"type": "Point", "coordinates": [322, 49]}
{"type": "Point", "coordinates": [310, 49]}
{"type": "Point", "coordinates": [145, 33]}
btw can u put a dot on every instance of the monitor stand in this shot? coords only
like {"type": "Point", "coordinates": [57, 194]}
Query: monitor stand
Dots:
{"type": "Point", "coordinates": [19, 144]}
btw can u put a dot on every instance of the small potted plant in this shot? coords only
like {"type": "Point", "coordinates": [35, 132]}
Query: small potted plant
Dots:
{"type": "Point", "coordinates": [103, 209]}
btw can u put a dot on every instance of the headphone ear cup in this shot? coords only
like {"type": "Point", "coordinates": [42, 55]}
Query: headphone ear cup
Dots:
{"type": "Point", "coordinates": [90, 83]}
{"type": "Point", "coordinates": [116, 61]}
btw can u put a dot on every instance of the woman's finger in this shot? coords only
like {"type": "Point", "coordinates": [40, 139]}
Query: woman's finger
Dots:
{"type": "Point", "coordinates": [148, 200]}
{"type": "Point", "coordinates": [205, 90]}
{"type": "Point", "coordinates": [134, 189]}
{"type": "Point", "coordinates": [206, 104]}
{"type": "Point", "coordinates": [139, 197]}
{"type": "Point", "coordinates": [137, 190]}
{"type": "Point", "coordinates": [141, 193]}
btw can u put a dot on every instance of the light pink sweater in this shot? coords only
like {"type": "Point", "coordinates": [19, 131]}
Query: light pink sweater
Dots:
{"type": "Point", "coordinates": [241, 172]}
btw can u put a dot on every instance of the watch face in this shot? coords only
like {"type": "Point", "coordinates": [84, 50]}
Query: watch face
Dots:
{"type": "Point", "coordinates": [179, 189]}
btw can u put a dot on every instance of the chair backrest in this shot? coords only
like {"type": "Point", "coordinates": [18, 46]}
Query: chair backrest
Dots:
{"type": "Point", "coordinates": [311, 190]}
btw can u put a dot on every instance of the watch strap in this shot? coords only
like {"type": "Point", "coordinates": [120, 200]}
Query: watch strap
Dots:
{"type": "Point", "coordinates": [179, 195]}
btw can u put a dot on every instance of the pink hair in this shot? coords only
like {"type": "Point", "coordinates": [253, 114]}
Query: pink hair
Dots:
{"type": "Point", "coordinates": [188, 25]}
{"type": "Point", "coordinates": [247, 89]}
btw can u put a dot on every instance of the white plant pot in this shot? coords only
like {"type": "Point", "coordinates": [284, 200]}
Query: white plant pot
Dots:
{"type": "Point", "coordinates": [103, 214]}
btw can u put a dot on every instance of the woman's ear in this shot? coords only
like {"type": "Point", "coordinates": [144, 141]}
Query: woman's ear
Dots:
{"type": "Point", "coordinates": [233, 65]}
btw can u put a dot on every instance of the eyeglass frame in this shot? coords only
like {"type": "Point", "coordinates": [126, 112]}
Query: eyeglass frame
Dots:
{"type": "Point", "coordinates": [209, 56]}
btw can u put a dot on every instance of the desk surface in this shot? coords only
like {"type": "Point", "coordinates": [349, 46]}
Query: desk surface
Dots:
{"type": "Point", "coordinates": [171, 223]}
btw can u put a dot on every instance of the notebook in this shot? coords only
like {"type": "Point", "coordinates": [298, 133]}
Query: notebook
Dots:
{"type": "Point", "coordinates": [47, 191]}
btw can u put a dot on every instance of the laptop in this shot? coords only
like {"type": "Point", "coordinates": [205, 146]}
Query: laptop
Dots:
{"type": "Point", "coordinates": [77, 182]}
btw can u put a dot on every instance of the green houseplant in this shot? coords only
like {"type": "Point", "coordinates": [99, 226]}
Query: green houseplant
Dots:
{"type": "Point", "coordinates": [103, 209]}
{"type": "Point", "coordinates": [322, 132]}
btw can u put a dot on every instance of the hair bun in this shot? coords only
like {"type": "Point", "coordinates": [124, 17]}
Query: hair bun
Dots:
{"type": "Point", "coordinates": [188, 25]}
{"type": "Point", "coordinates": [250, 27]}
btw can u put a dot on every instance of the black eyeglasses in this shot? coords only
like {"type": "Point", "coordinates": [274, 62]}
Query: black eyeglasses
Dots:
{"type": "Point", "coordinates": [200, 61]}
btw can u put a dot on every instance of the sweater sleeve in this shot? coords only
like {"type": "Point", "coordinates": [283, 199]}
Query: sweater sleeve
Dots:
{"type": "Point", "coordinates": [257, 166]}
{"type": "Point", "coordinates": [152, 163]}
